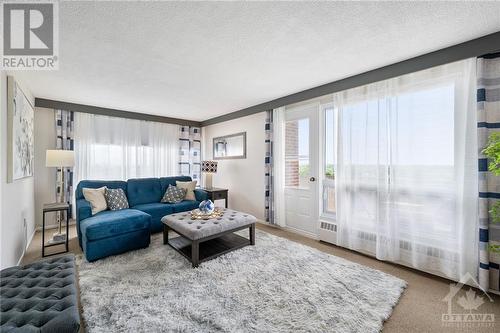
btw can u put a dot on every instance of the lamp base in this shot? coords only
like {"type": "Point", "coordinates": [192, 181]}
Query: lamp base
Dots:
{"type": "Point", "coordinates": [208, 181]}
{"type": "Point", "coordinates": [58, 237]}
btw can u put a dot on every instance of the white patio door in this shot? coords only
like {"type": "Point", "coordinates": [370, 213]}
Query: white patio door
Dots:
{"type": "Point", "coordinates": [301, 168]}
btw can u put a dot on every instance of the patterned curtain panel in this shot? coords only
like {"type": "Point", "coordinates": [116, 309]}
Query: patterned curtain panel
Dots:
{"type": "Point", "coordinates": [269, 201]}
{"type": "Point", "coordinates": [190, 152]}
{"type": "Point", "coordinates": [488, 108]}
{"type": "Point", "coordinates": [65, 141]}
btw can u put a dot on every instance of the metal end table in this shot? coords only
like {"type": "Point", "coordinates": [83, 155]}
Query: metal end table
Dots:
{"type": "Point", "coordinates": [55, 207]}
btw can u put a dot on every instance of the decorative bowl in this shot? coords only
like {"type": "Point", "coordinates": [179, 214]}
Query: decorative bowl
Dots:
{"type": "Point", "coordinates": [197, 214]}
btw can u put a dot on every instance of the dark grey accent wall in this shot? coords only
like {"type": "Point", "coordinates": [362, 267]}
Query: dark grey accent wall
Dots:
{"type": "Point", "coordinates": [473, 48]}
{"type": "Point", "coordinates": [51, 104]}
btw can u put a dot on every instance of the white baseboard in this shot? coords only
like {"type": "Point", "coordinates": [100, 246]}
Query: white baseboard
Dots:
{"type": "Point", "coordinates": [302, 232]}
{"type": "Point", "coordinates": [31, 239]}
{"type": "Point", "coordinates": [27, 245]}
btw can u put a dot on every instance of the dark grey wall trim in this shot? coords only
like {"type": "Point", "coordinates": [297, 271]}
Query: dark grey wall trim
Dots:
{"type": "Point", "coordinates": [51, 104]}
{"type": "Point", "coordinates": [473, 48]}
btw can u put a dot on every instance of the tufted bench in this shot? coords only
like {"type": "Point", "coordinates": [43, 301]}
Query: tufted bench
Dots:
{"type": "Point", "coordinates": [40, 297]}
{"type": "Point", "coordinates": [201, 240]}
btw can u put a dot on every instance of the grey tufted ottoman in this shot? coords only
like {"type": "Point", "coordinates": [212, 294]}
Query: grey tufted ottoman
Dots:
{"type": "Point", "coordinates": [202, 240]}
{"type": "Point", "coordinates": [40, 297]}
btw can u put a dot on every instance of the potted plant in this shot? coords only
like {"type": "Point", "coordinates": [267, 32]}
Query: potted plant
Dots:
{"type": "Point", "coordinates": [492, 151]}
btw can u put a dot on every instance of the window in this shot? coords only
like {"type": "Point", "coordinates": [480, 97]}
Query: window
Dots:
{"type": "Point", "coordinates": [297, 170]}
{"type": "Point", "coordinates": [112, 148]}
{"type": "Point", "coordinates": [405, 168]}
{"type": "Point", "coordinates": [330, 132]}
{"type": "Point", "coordinates": [401, 151]}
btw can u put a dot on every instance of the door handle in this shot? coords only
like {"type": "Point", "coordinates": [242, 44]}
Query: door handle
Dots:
{"type": "Point", "coordinates": [312, 179]}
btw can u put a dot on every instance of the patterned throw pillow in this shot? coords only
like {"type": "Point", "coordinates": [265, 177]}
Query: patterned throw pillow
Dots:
{"type": "Point", "coordinates": [174, 194]}
{"type": "Point", "coordinates": [189, 186]}
{"type": "Point", "coordinates": [116, 199]}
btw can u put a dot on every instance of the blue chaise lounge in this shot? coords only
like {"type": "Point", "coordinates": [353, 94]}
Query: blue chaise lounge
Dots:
{"type": "Point", "coordinates": [111, 232]}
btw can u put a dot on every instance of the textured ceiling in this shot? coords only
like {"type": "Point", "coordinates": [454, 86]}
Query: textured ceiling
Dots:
{"type": "Point", "coordinates": [201, 60]}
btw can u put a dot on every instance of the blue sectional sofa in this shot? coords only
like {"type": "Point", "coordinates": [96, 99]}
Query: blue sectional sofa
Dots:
{"type": "Point", "coordinates": [111, 232]}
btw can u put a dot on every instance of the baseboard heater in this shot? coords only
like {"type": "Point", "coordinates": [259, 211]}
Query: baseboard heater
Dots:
{"type": "Point", "coordinates": [328, 233]}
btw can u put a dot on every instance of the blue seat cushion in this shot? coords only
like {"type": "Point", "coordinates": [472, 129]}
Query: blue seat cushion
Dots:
{"type": "Point", "coordinates": [185, 205]}
{"type": "Point", "coordinates": [111, 223]}
{"type": "Point", "coordinates": [156, 210]}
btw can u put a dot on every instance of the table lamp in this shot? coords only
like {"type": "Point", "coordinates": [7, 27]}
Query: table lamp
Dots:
{"type": "Point", "coordinates": [208, 168]}
{"type": "Point", "coordinates": [60, 159]}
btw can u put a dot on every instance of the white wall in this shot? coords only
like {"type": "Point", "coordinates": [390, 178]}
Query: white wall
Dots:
{"type": "Point", "coordinates": [45, 178]}
{"type": "Point", "coordinates": [243, 177]}
{"type": "Point", "coordinates": [17, 200]}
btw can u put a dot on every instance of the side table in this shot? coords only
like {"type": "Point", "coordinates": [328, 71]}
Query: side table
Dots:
{"type": "Point", "coordinates": [215, 193]}
{"type": "Point", "coordinates": [55, 207]}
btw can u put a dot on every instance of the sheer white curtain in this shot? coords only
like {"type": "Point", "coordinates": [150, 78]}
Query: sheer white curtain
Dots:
{"type": "Point", "coordinates": [407, 169]}
{"type": "Point", "coordinates": [113, 148]}
{"type": "Point", "coordinates": [279, 165]}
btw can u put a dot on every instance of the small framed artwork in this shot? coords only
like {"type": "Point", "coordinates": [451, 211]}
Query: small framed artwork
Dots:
{"type": "Point", "coordinates": [20, 133]}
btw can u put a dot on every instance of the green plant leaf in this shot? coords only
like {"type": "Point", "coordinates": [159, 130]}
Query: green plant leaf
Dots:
{"type": "Point", "coordinates": [494, 248]}
{"type": "Point", "coordinates": [495, 212]}
{"type": "Point", "coordinates": [492, 151]}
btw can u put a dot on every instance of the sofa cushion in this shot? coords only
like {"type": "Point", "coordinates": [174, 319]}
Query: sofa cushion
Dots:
{"type": "Point", "coordinates": [117, 244]}
{"type": "Point", "coordinates": [96, 198]}
{"type": "Point", "coordinates": [156, 210]}
{"type": "Point", "coordinates": [185, 205]}
{"type": "Point", "coordinates": [112, 223]}
{"type": "Point", "coordinates": [189, 186]}
{"type": "Point", "coordinates": [200, 195]}
{"type": "Point", "coordinates": [143, 191]}
{"type": "Point", "coordinates": [173, 194]}
{"type": "Point", "coordinates": [165, 181]}
{"type": "Point", "coordinates": [98, 183]}
{"type": "Point", "coordinates": [116, 199]}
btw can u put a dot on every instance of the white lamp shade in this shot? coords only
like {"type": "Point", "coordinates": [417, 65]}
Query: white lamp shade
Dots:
{"type": "Point", "coordinates": [59, 158]}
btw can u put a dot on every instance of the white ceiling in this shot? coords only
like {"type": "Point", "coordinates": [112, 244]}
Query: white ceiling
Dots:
{"type": "Point", "coordinates": [200, 60]}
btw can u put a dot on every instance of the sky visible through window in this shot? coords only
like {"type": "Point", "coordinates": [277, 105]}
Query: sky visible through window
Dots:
{"type": "Point", "coordinates": [419, 124]}
{"type": "Point", "coordinates": [303, 137]}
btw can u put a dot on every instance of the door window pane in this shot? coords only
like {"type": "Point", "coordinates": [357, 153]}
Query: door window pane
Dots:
{"type": "Point", "coordinates": [329, 200]}
{"type": "Point", "coordinates": [329, 206]}
{"type": "Point", "coordinates": [297, 170]}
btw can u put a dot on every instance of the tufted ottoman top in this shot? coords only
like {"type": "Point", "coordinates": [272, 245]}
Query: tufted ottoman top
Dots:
{"type": "Point", "coordinates": [40, 297]}
{"type": "Point", "coordinates": [197, 229]}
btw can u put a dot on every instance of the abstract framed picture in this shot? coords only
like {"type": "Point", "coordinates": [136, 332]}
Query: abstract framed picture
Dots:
{"type": "Point", "coordinates": [20, 133]}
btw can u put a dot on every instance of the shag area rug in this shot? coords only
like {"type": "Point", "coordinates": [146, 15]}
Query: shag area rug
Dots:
{"type": "Point", "coordinates": [275, 286]}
